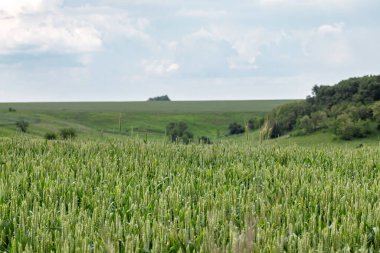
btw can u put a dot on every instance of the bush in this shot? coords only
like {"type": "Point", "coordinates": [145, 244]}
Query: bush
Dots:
{"type": "Point", "coordinates": [204, 140]}
{"type": "Point", "coordinates": [319, 120]}
{"type": "Point", "coordinates": [22, 125]}
{"type": "Point", "coordinates": [68, 133]}
{"type": "Point", "coordinates": [178, 131]}
{"type": "Point", "coordinates": [10, 109]}
{"type": "Point", "coordinates": [306, 124]}
{"type": "Point", "coordinates": [255, 123]}
{"type": "Point", "coordinates": [50, 136]}
{"type": "Point", "coordinates": [347, 129]}
{"type": "Point", "coordinates": [376, 112]}
{"type": "Point", "coordinates": [235, 128]}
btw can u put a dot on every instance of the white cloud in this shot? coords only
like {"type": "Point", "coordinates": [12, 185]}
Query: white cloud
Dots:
{"type": "Point", "coordinates": [17, 7]}
{"type": "Point", "coordinates": [247, 43]}
{"type": "Point", "coordinates": [32, 27]}
{"type": "Point", "coordinates": [327, 45]}
{"type": "Point", "coordinates": [48, 33]}
{"type": "Point", "coordinates": [324, 4]}
{"type": "Point", "coordinates": [160, 67]}
{"type": "Point", "coordinates": [44, 26]}
{"type": "Point", "coordinates": [330, 29]}
{"type": "Point", "coordinates": [192, 13]}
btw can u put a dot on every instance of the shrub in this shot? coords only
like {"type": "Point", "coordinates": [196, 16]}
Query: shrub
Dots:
{"type": "Point", "coordinates": [22, 125]}
{"type": "Point", "coordinates": [306, 124]}
{"type": "Point", "coordinates": [68, 133]}
{"type": "Point", "coordinates": [10, 109]}
{"type": "Point", "coordinates": [347, 129]}
{"type": "Point", "coordinates": [204, 140]}
{"type": "Point", "coordinates": [235, 128]}
{"type": "Point", "coordinates": [50, 136]}
{"type": "Point", "coordinates": [319, 120]}
{"type": "Point", "coordinates": [376, 112]}
{"type": "Point", "coordinates": [178, 131]}
{"type": "Point", "coordinates": [255, 123]}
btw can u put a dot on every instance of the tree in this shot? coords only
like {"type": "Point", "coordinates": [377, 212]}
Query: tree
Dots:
{"type": "Point", "coordinates": [22, 125]}
{"type": "Point", "coordinates": [178, 131]}
{"type": "Point", "coordinates": [68, 133]}
{"type": "Point", "coordinates": [376, 113]}
{"type": "Point", "coordinates": [160, 98]}
{"type": "Point", "coordinates": [346, 128]}
{"type": "Point", "coordinates": [235, 128]}
{"type": "Point", "coordinates": [306, 124]}
{"type": "Point", "coordinates": [255, 123]}
{"type": "Point", "coordinates": [319, 120]}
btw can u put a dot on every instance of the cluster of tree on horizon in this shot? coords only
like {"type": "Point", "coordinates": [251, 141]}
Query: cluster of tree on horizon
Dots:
{"type": "Point", "coordinates": [160, 98]}
{"type": "Point", "coordinates": [350, 109]}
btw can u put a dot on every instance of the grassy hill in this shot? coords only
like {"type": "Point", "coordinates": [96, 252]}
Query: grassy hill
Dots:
{"type": "Point", "coordinates": [94, 119]}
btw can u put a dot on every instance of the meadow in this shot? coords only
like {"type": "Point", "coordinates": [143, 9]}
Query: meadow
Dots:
{"type": "Point", "coordinates": [94, 119]}
{"type": "Point", "coordinates": [131, 196]}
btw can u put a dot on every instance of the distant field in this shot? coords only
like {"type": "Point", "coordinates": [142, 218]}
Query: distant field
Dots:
{"type": "Point", "coordinates": [157, 107]}
{"type": "Point", "coordinates": [209, 118]}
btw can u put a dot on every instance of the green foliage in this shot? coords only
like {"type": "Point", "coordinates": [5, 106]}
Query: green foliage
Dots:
{"type": "Point", "coordinates": [50, 136]}
{"type": "Point", "coordinates": [255, 123]}
{"type": "Point", "coordinates": [157, 197]}
{"type": "Point", "coordinates": [348, 102]}
{"type": "Point", "coordinates": [284, 118]}
{"type": "Point", "coordinates": [22, 125]}
{"type": "Point", "coordinates": [235, 128]}
{"type": "Point", "coordinates": [376, 113]}
{"type": "Point", "coordinates": [204, 140]}
{"type": "Point", "coordinates": [178, 131]}
{"type": "Point", "coordinates": [346, 128]}
{"type": "Point", "coordinates": [354, 90]}
{"type": "Point", "coordinates": [10, 109]}
{"type": "Point", "coordinates": [319, 120]}
{"type": "Point", "coordinates": [306, 124]}
{"type": "Point", "coordinates": [68, 133]}
{"type": "Point", "coordinates": [160, 98]}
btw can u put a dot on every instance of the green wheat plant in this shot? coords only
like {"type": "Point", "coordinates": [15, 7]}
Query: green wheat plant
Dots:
{"type": "Point", "coordinates": [131, 196]}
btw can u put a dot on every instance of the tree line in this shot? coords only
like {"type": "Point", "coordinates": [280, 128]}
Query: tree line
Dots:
{"type": "Point", "coordinates": [350, 109]}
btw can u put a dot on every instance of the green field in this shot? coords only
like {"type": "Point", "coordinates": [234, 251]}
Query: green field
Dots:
{"type": "Point", "coordinates": [128, 196]}
{"type": "Point", "coordinates": [94, 119]}
{"type": "Point", "coordinates": [133, 191]}
{"type": "Point", "coordinates": [150, 107]}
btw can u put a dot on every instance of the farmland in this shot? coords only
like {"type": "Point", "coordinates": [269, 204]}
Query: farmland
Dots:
{"type": "Point", "coordinates": [136, 197]}
{"type": "Point", "coordinates": [110, 191]}
{"type": "Point", "coordinates": [209, 118]}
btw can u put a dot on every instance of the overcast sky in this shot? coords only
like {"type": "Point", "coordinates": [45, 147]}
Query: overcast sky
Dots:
{"type": "Point", "coordinates": [104, 50]}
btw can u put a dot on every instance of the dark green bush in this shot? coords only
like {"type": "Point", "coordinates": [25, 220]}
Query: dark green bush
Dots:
{"type": "Point", "coordinates": [68, 133]}
{"type": "Point", "coordinates": [22, 125]}
{"type": "Point", "coordinates": [255, 123]}
{"type": "Point", "coordinates": [204, 140]}
{"type": "Point", "coordinates": [178, 131]}
{"type": "Point", "coordinates": [346, 128]}
{"type": "Point", "coordinates": [235, 128]}
{"type": "Point", "coordinates": [50, 136]}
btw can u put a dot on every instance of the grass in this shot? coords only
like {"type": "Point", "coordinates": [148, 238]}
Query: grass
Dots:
{"type": "Point", "coordinates": [210, 118]}
{"type": "Point", "coordinates": [130, 196]}
{"type": "Point", "coordinates": [149, 107]}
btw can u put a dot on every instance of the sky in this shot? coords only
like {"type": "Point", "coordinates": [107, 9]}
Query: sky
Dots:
{"type": "Point", "coordinates": [130, 50]}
